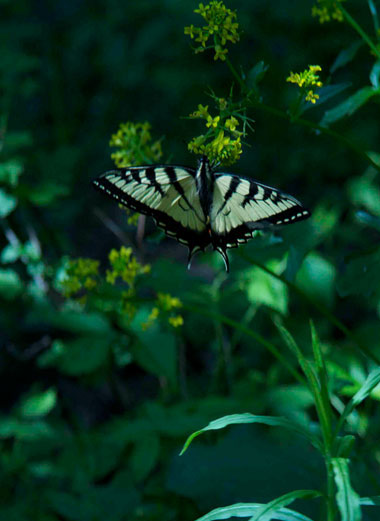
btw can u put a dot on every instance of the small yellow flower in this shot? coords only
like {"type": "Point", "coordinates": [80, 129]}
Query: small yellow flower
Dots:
{"type": "Point", "coordinates": [231, 123]}
{"type": "Point", "coordinates": [212, 122]}
{"type": "Point", "coordinates": [151, 319]}
{"type": "Point", "coordinates": [134, 141]}
{"type": "Point", "coordinates": [307, 81]}
{"type": "Point", "coordinates": [327, 10]}
{"type": "Point", "coordinates": [167, 302]}
{"type": "Point", "coordinates": [125, 266]}
{"type": "Point", "coordinates": [220, 27]}
{"type": "Point", "coordinates": [176, 321]}
{"type": "Point", "coordinates": [81, 274]}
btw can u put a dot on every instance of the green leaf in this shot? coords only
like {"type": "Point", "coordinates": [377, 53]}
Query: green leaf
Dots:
{"type": "Point", "coordinates": [349, 106]}
{"type": "Point", "coordinates": [256, 74]}
{"type": "Point", "coordinates": [81, 356]}
{"type": "Point", "coordinates": [262, 288]}
{"type": "Point", "coordinates": [145, 456]}
{"type": "Point", "coordinates": [248, 509]}
{"type": "Point", "coordinates": [345, 445]}
{"type": "Point", "coordinates": [46, 193]}
{"type": "Point", "coordinates": [39, 404]}
{"type": "Point", "coordinates": [361, 276]}
{"type": "Point", "coordinates": [346, 55]}
{"type": "Point", "coordinates": [316, 277]}
{"type": "Point", "coordinates": [363, 191]}
{"type": "Point", "coordinates": [374, 75]}
{"type": "Point", "coordinates": [347, 499]}
{"type": "Point", "coordinates": [156, 351]}
{"type": "Point", "coordinates": [10, 172]}
{"type": "Point", "coordinates": [234, 419]}
{"type": "Point", "coordinates": [10, 284]}
{"type": "Point", "coordinates": [372, 380]}
{"type": "Point", "coordinates": [269, 511]}
{"type": "Point", "coordinates": [7, 203]}
{"type": "Point", "coordinates": [11, 253]}
{"type": "Point", "coordinates": [325, 93]}
{"type": "Point", "coordinates": [368, 219]}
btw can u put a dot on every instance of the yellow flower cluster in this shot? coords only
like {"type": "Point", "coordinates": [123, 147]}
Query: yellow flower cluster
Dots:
{"type": "Point", "coordinates": [125, 266]}
{"type": "Point", "coordinates": [221, 28]}
{"type": "Point", "coordinates": [222, 143]}
{"type": "Point", "coordinates": [165, 303]}
{"type": "Point", "coordinates": [327, 10]}
{"type": "Point", "coordinates": [307, 81]}
{"type": "Point", "coordinates": [134, 142]}
{"type": "Point", "coordinates": [81, 274]}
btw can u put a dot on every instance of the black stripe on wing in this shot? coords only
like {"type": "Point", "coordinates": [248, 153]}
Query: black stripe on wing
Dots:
{"type": "Point", "coordinates": [194, 239]}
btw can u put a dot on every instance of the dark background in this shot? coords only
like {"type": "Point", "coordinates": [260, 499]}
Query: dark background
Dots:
{"type": "Point", "coordinates": [94, 432]}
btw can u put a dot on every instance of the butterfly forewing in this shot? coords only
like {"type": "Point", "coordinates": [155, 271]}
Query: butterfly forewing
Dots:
{"type": "Point", "coordinates": [241, 206]}
{"type": "Point", "coordinates": [167, 193]}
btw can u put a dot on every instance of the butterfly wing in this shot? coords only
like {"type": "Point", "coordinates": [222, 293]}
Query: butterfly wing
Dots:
{"type": "Point", "coordinates": [167, 193]}
{"type": "Point", "coordinates": [241, 206]}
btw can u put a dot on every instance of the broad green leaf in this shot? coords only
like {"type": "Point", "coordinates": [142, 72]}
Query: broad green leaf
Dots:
{"type": "Point", "coordinates": [347, 499]}
{"type": "Point", "coordinates": [11, 253]}
{"type": "Point", "coordinates": [368, 219]}
{"type": "Point", "coordinates": [361, 275]}
{"type": "Point", "coordinates": [46, 193]}
{"type": "Point", "coordinates": [269, 511]}
{"type": "Point", "coordinates": [374, 75]}
{"type": "Point", "coordinates": [156, 350]}
{"type": "Point", "coordinates": [256, 74]}
{"type": "Point", "coordinates": [325, 93]}
{"type": "Point", "coordinates": [349, 106]}
{"type": "Point", "coordinates": [262, 288]}
{"type": "Point", "coordinates": [247, 417]}
{"type": "Point", "coordinates": [80, 356]}
{"type": "Point", "coordinates": [10, 284]}
{"type": "Point", "coordinates": [346, 55]}
{"type": "Point", "coordinates": [10, 171]}
{"type": "Point", "coordinates": [371, 382]}
{"type": "Point", "coordinates": [364, 192]}
{"type": "Point", "coordinates": [39, 404]}
{"type": "Point", "coordinates": [249, 509]}
{"type": "Point", "coordinates": [144, 456]}
{"type": "Point", "coordinates": [316, 277]}
{"type": "Point", "coordinates": [25, 429]}
{"type": "Point", "coordinates": [7, 203]}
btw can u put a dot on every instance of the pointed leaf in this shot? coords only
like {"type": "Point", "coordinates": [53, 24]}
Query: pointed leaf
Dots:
{"type": "Point", "coordinates": [347, 499]}
{"type": "Point", "coordinates": [248, 509]}
{"type": "Point", "coordinates": [374, 75]}
{"type": "Point", "coordinates": [235, 419]}
{"type": "Point", "coordinates": [346, 55]}
{"type": "Point", "coordinates": [349, 106]}
{"type": "Point", "coordinates": [373, 501]}
{"type": "Point", "coordinates": [372, 380]}
{"type": "Point", "coordinates": [269, 511]}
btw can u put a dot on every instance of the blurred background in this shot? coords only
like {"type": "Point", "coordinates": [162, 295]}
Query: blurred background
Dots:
{"type": "Point", "coordinates": [94, 410]}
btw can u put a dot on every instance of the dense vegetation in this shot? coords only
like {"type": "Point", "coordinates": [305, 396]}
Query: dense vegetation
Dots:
{"type": "Point", "coordinates": [112, 352]}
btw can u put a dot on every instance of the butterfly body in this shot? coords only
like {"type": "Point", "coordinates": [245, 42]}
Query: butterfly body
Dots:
{"type": "Point", "coordinates": [201, 207]}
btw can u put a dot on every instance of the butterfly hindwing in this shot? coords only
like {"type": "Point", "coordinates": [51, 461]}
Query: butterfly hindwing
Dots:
{"type": "Point", "coordinates": [167, 193]}
{"type": "Point", "coordinates": [241, 206]}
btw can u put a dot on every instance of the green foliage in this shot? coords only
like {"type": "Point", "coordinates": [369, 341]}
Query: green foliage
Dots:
{"type": "Point", "coordinates": [112, 353]}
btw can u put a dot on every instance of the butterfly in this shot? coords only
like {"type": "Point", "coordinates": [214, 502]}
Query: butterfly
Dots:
{"type": "Point", "coordinates": [201, 207]}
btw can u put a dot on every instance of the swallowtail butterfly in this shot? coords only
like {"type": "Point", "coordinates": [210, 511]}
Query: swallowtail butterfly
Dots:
{"type": "Point", "coordinates": [201, 207]}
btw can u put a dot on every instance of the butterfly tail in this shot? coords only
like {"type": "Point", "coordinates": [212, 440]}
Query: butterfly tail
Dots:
{"type": "Point", "coordinates": [224, 255]}
{"type": "Point", "coordinates": [192, 252]}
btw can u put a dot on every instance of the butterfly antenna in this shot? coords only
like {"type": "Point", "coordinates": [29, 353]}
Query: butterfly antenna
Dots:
{"type": "Point", "coordinates": [224, 255]}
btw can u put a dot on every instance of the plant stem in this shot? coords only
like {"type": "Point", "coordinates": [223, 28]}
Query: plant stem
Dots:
{"type": "Point", "coordinates": [249, 332]}
{"type": "Point", "coordinates": [323, 130]}
{"type": "Point", "coordinates": [360, 31]}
